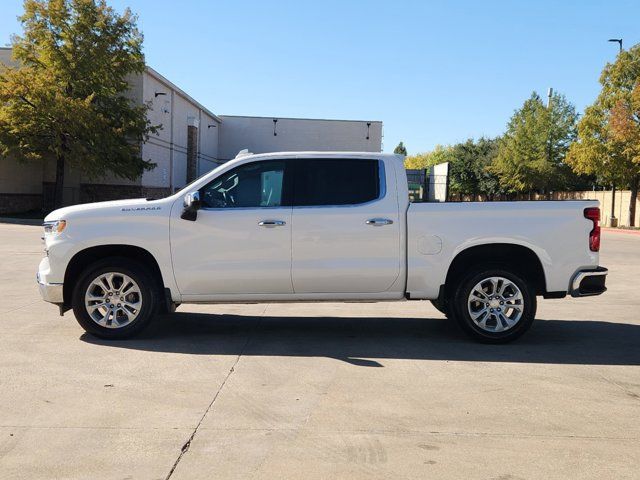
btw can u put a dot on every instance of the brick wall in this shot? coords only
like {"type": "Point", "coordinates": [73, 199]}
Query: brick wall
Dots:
{"type": "Point", "coordinates": [90, 192]}
{"type": "Point", "coordinates": [19, 203]}
{"type": "Point", "coordinates": [14, 203]}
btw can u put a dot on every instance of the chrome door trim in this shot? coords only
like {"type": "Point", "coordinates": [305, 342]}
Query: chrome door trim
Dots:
{"type": "Point", "coordinates": [379, 222]}
{"type": "Point", "coordinates": [272, 223]}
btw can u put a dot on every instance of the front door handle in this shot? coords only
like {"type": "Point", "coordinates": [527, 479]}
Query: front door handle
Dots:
{"type": "Point", "coordinates": [379, 222]}
{"type": "Point", "coordinates": [272, 223]}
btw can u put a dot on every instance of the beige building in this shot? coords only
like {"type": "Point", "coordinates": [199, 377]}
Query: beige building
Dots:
{"type": "Point", "coordinates": [270, 134]}
{"type": "Point", "coordinates": [192, 141]}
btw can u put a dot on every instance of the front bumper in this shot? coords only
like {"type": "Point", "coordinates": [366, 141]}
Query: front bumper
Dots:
{"type": "Point", "coordinates": [50, 292]}
{"type": "Point", "coordinates": [590, 282]}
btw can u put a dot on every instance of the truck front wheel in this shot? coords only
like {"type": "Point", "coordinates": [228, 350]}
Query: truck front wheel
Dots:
{"type": "Point", "coordinates": [115, 298]}
{"type": "Point", "coordinates": [494, 304]}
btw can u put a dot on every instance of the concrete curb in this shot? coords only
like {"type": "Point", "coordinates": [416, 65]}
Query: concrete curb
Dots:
{"type": "Point", "coordinates": [621, 230]}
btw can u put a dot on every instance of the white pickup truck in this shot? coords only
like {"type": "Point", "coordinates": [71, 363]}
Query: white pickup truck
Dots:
{"type": "Point", "coordinates": [317, 226]}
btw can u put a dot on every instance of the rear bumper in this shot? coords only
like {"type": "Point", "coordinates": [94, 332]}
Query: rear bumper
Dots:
{"type": "Point", "coordinates": [590, 282]}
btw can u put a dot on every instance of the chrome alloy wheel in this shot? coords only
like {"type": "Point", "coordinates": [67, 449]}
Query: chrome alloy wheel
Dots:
{"type": "Point", "coordinates": [495, 304]}
{"type": "Point", "coordinates": [113, 300]}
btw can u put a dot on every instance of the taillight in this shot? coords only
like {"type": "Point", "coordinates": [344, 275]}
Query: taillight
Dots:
{"type": "Point", "coordinates": [593, 214]}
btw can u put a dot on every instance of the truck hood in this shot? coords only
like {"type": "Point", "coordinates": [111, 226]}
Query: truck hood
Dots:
{"type": "Point", "coordinates": [66, 212]}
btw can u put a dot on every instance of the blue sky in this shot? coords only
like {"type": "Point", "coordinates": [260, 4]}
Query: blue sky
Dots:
{"type": "Point", "coordinates": [433, 72]}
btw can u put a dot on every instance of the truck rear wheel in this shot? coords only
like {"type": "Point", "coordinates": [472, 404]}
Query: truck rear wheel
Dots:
{"type": "Point", "coordinates": [115, 298]}
{"type": "Point", "coordinates": [494, 305]}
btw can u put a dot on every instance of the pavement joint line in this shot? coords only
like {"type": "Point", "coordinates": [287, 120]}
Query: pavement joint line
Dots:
{"type": "Point", "coordinates": [187, 444]}
{"type": "Point", "coordinates": [21, 307]}
{"type": "Point", "coordinates": [333, 432]}
{"type": "Point", "coordinates": [90, 427]}
{"type": "Point", "coordinates": [418, 432]}
{"type": "Point", "coordinates": [22, 252]}
{"type": "Point", "coordinates": [631, 394]}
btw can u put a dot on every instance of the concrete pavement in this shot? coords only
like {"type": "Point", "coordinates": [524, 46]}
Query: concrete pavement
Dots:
{"type": "Point", "coordinates": [314, 391]}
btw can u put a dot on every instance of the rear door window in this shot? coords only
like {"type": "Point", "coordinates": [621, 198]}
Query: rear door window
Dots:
{"type": "Point", "coordinates": [325, 182]}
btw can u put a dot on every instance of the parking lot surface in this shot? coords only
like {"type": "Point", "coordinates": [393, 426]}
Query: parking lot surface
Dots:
{"type": "Point", "coordinates": [314, 391]}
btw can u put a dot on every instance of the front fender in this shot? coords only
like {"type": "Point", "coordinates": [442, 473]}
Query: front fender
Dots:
{"type": "Point", "coordinates": [121, 225]}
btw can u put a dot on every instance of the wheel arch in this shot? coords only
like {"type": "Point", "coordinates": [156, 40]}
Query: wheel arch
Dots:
{"type": "Point", "coordinates": [519, 258]}
{"type": "Point", "coordinates": [87, 256]}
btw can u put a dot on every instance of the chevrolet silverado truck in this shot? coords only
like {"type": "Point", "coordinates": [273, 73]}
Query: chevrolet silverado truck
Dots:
{"type": "Point", "coordinates": [317, 226]}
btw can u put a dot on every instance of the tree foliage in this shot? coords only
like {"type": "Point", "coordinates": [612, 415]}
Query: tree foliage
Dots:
{"type": "Point", "coordinates": [468, 166]}
{"type": "Point", "coordinates": [400, 149]}
{"type": "Point", "coordinates": [608, 142]}
{"type": "Point", "coordinates": [531, 154]}
{"type": "Point", "coordinates": [67, 98]}
{"type": "Point", "coordinates": [422, 161]}
{"type": "Point", "coordinates": [469, 172]}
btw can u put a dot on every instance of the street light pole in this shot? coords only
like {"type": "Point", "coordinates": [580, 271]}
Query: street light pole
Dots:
{"type": "Point", "coordinates": [618, 41]}
{"type": "Point", "coordinates": [612, 218]}
{"type": "Point", "coordinates": [549, 140]}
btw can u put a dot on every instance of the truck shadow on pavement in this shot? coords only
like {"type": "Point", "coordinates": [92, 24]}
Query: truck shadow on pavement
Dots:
{"type": "Point", "coordinates": [368, 341]}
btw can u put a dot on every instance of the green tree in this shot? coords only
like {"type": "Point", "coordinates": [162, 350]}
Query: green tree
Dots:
{"type": "Point", "coordinates": [67, 99]}
{"type": "Point", "coordinates": [400, 149]}
{"type": "Point", "coordinates": [421, 161]}
{"type": "Point", "coordinates": [608, 142]}
{"type": "Point", "coordinates": [469, 164]}
{"type": "Point", "coordinates": [469, 172]}
{"type": "Point", "coordinates": [531, 154]}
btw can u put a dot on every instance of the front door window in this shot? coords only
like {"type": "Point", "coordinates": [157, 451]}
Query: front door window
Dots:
{"type": "Point", "coordinates": [252, 185]}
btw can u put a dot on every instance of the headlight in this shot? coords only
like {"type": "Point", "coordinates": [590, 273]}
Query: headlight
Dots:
{"type": "Point", "coordinates": [54, 228]}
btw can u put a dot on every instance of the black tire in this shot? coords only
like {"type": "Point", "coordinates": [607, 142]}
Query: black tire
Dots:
{"type": "Point", "coordinates": [459, 304]}
{"type": "Point", "coordinates": [441, 307]}
{"type": "Point", "coordinates": [149, 288]}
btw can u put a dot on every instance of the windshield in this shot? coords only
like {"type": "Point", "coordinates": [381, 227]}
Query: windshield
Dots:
{"type": "Point", "coordinates": [186, 189]}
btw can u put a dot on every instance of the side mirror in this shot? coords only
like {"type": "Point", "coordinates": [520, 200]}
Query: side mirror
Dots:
{"type": "Point", "coordinates": [191, 205]}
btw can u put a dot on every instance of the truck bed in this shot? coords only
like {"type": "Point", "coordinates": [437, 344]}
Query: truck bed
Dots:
{"type": "Point", "coordinates": [557, 231]}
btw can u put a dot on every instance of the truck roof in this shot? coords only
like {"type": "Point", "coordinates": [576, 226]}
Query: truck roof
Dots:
{"type": "Point", "coordinates": [319, 154]}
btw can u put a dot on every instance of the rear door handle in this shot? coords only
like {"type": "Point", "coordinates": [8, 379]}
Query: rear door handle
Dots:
{"type": "Point", "coordinates": [272, 223]}
{"type": "Point", "coordinates": [379, 222]}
